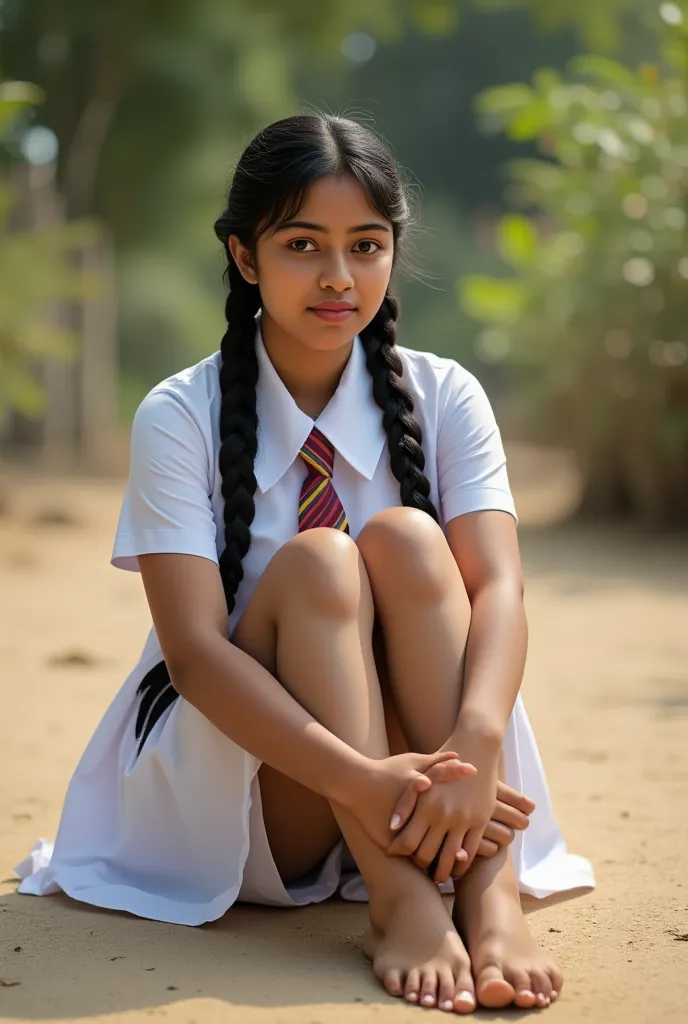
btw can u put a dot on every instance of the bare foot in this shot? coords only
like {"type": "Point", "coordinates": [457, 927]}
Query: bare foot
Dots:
{"type": "Point", "coordinates": [415, 949]}
{"type": "Point", "coordinates": [508, 965]}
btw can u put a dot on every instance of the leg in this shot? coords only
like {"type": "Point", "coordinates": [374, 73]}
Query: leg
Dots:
{"type": "Point", "coordinates": [310, 621]}
{"type": "Point", "coordinates": [424, 614]}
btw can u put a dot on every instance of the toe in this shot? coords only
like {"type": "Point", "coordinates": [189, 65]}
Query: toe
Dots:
{"type": "Point", "coordinates": [392, 981]}
{"type": "Point", "coordinates": [464, 994]}
{"type": "Point", "coordinates": [542, 987]}
{"type": "Point", "coordinates": [445, 988]}
{"type": "Point", "coordinates": [412, 986]}
{"type": "Point", "coordinates": [428, 988]}
{"type": "Point", "coordinates": [522, 986]}
{"type": "Point", "coordinates": [492, 989]}
{"type": "Point", "coordinates": [557, 980]}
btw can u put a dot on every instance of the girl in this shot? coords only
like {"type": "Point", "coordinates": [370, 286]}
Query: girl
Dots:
{"type": "Point", "coordinates": [347, 503]}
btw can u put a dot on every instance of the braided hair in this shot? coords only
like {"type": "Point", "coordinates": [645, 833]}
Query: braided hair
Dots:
{"type": "Point", "coordinates": [270, 184]}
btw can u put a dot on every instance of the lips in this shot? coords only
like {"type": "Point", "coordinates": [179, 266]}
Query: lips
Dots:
{"type": "Point", "coordinates": [333, 312]}
{"type": "Point", "coordinates": [334, 307]}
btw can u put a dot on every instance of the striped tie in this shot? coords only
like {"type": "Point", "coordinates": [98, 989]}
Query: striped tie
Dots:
{"type": "Point", "coordinates": [319, 504]}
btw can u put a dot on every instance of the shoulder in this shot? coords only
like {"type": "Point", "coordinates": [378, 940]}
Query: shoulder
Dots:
{"type": "Point", "coordinates": [192, 394]}
{"type": "Point", "coordinates": [430, 375]}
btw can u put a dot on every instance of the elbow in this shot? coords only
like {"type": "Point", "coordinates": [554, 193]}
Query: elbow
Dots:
{"type": "Point", "coordinates": [188, 666]}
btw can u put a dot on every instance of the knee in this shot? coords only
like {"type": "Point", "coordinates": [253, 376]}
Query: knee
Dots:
{"type": "Point", "coordinates": [325, 568]}
{"type": "Point", "coordinates": [405, 548]}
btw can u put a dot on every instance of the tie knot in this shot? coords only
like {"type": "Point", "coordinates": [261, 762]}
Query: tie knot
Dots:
{"type": "Point", "coordinates": [318, 453]}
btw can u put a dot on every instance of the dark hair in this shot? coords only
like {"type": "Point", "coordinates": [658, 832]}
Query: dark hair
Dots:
{"type": "Point", "coordinates": [270, 184]}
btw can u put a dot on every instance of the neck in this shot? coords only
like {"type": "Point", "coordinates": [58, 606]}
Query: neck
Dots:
{"type": "Point", "coordinates": [311, 376]}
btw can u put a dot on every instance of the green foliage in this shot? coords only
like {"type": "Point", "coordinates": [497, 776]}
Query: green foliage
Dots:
{"type": "Point", "coordinates": [599, 22]}
{"type": "Point", "coordinates": [593, 318]}
{"type": "Point", "coordinates": [35, 275]}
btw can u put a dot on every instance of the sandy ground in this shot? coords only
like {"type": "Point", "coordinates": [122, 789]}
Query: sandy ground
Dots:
{"type": "Point", "coordinates": [607, 691]}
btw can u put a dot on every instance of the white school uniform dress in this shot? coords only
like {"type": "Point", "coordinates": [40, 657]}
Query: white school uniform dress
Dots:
{"type": "Point", "coordinates": [176, 834]}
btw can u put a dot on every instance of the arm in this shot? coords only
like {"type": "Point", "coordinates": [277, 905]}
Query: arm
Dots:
{"type": "Point", "coordinates": [485, 547]}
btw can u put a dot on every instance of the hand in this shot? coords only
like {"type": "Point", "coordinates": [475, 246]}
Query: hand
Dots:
{"type": "Point", "coordinates": [450, 820]}
{"type": "Point", "coordinates": [373, 796]}
{"type": "Point", "coordinates": [511, 815]}
{"type": "Point", "coordinates": [512, 809]}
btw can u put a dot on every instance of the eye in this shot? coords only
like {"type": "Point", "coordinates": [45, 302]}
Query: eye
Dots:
{"type": "Point", "coordinates": [368, 242]}
{"type": "Point", "coordinates": [299, 245]}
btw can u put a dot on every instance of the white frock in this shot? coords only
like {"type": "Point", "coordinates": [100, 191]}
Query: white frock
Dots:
{"type": "Point", "coordinates": [176, 834]}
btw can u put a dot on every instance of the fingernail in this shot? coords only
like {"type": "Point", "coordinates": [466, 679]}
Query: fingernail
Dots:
{"type": "Point", "coordinates": [396, 821]}
{"type": "Point", "coordinates": [462, 855]}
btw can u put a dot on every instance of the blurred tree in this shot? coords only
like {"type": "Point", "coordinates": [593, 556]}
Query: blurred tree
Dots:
{"type": "Point", "coordinates": [149, 100]}
{"type": "Point", "coordinates": [593, 317]}
{"type": "Point", "coordinates": [601, 23]}
{"type": "Point", "coordinates": [35, 274]}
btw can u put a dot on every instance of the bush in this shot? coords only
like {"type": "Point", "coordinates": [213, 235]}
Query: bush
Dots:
{"type": "Point", "coordinates": [592, 320]}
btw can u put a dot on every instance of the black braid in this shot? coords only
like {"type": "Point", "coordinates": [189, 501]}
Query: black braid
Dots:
{"type": "Point", "coordinates": [404, 435]}
{"type": "Point", "coordinates": [238, 427]}
{"type": "Point", "coordinates": [238, 445]}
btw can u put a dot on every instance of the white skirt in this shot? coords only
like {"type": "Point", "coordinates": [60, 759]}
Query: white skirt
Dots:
{"type": "Point", "coordinates": [177, 834]}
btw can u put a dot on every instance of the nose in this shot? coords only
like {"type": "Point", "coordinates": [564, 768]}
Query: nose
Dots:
{"type": "Point", "coordinates": [336, 275]}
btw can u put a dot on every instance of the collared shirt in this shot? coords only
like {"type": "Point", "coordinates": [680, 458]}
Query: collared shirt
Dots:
{"type": "Point", "coordinates": [173, 501]}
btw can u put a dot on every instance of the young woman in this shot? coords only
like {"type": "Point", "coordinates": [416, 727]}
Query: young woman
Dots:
{"type": "Point", "coordinates": [346, 502]}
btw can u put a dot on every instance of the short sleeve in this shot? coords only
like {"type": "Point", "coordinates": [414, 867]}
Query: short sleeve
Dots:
{"type": "Point", "coordinates": [167, 506]}
{"type": "Point", "coordinates": [471, 463]}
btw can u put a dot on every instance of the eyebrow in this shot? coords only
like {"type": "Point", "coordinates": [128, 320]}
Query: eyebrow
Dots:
{"type": "Point", "coordinates": [309, 226]}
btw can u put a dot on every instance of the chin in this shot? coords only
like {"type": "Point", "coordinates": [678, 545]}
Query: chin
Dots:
{"type": "Point", "coordinates": [330, 337]}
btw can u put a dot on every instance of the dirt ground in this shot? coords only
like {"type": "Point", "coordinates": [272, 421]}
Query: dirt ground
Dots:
{"type": "Point", "coordinates": [607, 691]}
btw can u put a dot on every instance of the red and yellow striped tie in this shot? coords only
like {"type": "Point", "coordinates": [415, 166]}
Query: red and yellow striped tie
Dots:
{"type": "Point", "coordinates": [319, 504]}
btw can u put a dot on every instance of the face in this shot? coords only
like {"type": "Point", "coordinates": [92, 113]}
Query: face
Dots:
{"type": "Point", "coordinates": [323, 275]}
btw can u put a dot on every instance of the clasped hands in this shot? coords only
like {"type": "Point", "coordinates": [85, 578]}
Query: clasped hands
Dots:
{"type": "Point", "coordinates": [448, 813]}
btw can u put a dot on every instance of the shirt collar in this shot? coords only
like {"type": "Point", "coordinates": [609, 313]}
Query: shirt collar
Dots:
{"type": "Point", "coordinates": [351, 421]}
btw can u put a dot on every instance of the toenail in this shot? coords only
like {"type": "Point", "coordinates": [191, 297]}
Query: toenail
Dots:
{"type": "Point", "coordinates": [412, 997]}
{"type": "Point", "coordinates": [526, 992]}
{"type": "Point", "coordinates": [465, 997]}
{"type": "Point", "coordinates": [447, 1005]}
{"type": "Point", "coordinates": [428, 1000]}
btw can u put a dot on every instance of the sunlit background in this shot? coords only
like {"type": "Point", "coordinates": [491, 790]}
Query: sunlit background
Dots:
{"type": "Point", "coordinates": [548, 146]}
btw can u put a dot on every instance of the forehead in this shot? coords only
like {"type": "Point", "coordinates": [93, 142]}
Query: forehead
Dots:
{"type": "Point", "coordinates": [338, 202]}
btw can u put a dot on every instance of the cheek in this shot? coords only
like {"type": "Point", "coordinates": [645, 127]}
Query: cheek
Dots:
{"type": "Point", "coordinates": [373, 277]}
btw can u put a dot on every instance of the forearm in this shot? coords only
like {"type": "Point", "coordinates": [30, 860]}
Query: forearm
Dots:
{"type": "Point", "coordinates": [495, 661]}
{"type": "Point", "coordinates": [245, 702]}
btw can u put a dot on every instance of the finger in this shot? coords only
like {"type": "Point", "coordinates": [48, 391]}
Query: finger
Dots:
{"type": "Point", "coordinates": [486, 848]}
{"type": "Point", "coordinates": [471, 842]}
{"type": "Point", "coordinates": [406, 804]}
{"type": "Point", "coordinates": [406, 842]}
{"type": "Point", "coordinates": [428, 760]}
{"type": "Point", "coordinates": [447, 771]}
{"type": "Point", "coordinates": [498, 833]}
{"type": "Point", "coordinates": [514, 798]}
{"type": "Point", "coordinates": [447, 861]}
{"type": "Point", "coordinates": [510, 816]}
{"type": "Point", "coordinates": [428, 849]}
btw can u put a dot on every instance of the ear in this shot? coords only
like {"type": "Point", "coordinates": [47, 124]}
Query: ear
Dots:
{"type": "Point", "coordinates": [243, 257]}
